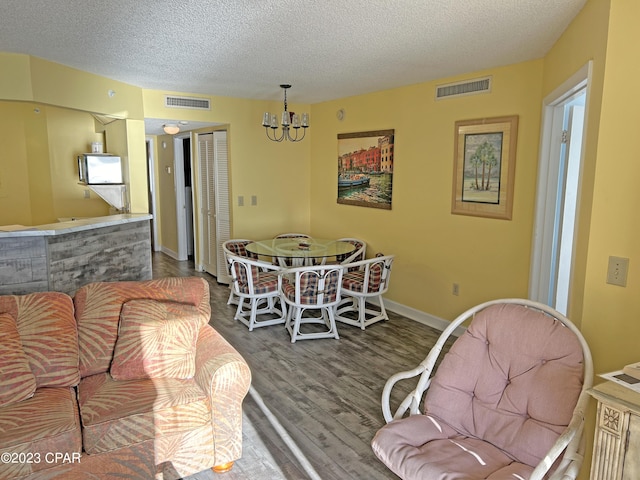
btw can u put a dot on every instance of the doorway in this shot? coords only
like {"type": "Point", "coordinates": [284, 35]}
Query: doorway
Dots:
{"type": "Point", "coordinates": [184, 195]}
{"type": "Point", "coordinates": [558, 191]}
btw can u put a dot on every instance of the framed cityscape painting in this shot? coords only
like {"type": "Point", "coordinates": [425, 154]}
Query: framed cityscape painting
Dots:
{"type": "Point", "coordinates": [484, 167]}
{"type": "Point", "coordinates": [365, 168]}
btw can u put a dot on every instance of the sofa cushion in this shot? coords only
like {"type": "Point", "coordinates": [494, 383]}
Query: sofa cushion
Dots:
{"type": "Point", "coordinates": [156, 340]}
{"type": "Point", "coordinates": [43, 424]}
{"type": "Point", "coordinates": [16, 379]}
{"type": "Point", "coordinates": [98, 307]}
{"type": "Point", "coordinates": [121, 413]}
{"type": "Point", "coordinates": [48, 334]}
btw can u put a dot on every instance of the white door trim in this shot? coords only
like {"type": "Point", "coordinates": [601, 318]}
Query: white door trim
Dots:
{"type": "Point", "coordinates": [153, 208]}
{"type": "Point", "coordinates": [548, 179]}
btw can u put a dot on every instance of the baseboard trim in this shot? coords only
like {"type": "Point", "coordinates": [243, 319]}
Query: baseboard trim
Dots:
{"type": "Point", "coordinates": [421, 317]}
{"type": "Point", "coordinates": [169, 252]}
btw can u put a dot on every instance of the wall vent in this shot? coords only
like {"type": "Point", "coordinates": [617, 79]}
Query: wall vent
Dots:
{"type": "Point", "coordinates": [468, 87]}
{"type": "Point", "coordinates": [191, 103]}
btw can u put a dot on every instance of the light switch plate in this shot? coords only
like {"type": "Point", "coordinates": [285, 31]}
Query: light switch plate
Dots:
{"type": "Point", "coordinates": [617, 271]}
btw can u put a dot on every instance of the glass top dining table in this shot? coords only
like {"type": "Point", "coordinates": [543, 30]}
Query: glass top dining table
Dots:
{"type": "Point", "coordinates": [300, 248]}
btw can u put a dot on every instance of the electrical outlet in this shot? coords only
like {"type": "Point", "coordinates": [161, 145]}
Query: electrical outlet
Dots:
{"type": "Point", "coordinates": [254, 200]}
{"type": "Point", "coordinates": [456, 289]}
{"type": "Point", "coordinates": [87, 193]}
{"type": "Point", "coordinates": [617, 271]}
{"type": "Point", "coordinates": [240, 200]}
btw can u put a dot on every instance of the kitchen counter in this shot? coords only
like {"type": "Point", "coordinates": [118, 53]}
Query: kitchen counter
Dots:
{"type": "Point", "coordinates": [66, 255]}
{"type": "Point", "coordinates": [77, 225]}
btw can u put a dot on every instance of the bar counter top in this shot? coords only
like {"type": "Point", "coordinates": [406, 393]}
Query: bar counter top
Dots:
{"type": "Point", "coordinates": [64, 256]}
{"type": "Point", "coordinates": [78, 225]}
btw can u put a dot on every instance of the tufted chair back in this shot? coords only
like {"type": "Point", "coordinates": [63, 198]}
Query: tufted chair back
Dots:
{"type": "Point", "coordinates": [507, 400]}
{"type": "Point", "coordinates": [512, 379]}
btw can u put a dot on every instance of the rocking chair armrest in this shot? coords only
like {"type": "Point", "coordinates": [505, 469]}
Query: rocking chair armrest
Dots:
{"type": "Point", "coordinates": [408, 401]}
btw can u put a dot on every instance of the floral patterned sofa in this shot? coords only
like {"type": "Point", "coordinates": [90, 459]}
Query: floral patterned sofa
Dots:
{"type": "Point", "coordinates": [125, 380]}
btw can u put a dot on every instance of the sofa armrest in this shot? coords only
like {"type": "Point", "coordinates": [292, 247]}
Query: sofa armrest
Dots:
{"type": "Point", "coordinates": [224, 374]}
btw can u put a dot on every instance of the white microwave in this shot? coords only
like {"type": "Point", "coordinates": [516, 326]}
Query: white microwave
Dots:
{"type": "Point", "coordinates": [99, 169]}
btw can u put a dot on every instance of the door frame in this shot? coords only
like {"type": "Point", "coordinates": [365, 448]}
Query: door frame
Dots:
{"type": "Point", "coordinates": [546, 192]}
{"type": "Point", "coordinates": [151, 178]}
{"type": "Point", "coordinates": [179, 187]}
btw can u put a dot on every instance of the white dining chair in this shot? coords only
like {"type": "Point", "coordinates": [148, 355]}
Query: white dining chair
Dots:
{"type": "Point", "coordinates": [236, 246]}
{"type": "Point", "coordinates": [358, 254]}
{"type": "Point", "coordinates": [293, 235]}
{"type": "Point", "coordinates": [308, 290]}
{"type": "Point", "coordinates": [364, 280]}
{"type": "Point", "coordinates": [259, 284]}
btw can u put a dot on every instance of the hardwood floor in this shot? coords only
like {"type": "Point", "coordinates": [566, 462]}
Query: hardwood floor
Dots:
{"type": "Point", "coordinates": [325, 393]}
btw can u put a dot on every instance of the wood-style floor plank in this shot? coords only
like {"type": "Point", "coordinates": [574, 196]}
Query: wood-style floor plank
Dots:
{"type": "Point", "coordinates": [325, 393]}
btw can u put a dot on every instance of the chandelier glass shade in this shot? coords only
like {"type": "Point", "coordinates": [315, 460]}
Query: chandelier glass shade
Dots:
{"type": "Point", "coordinates": [289, 120]}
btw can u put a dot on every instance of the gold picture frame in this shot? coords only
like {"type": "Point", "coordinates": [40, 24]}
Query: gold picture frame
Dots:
{"type": "Point", "coordinates": [484, 167]}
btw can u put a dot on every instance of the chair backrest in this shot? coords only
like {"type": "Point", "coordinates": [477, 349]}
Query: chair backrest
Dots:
{"type": "Point", "coordinates": [317, 285]}
{"type": "Point", "coordinates": [238, 246]}
{"type": "Point", "coordinates": [358, 254]}
{"type": "Point", "coordinates": [245, 274]}
{"type": "Point", "coordinates": [513, 378]}
{"type": "Point", "coordinates": [293, 235]}
{"type": "Point", "coordinates": [374, 273]}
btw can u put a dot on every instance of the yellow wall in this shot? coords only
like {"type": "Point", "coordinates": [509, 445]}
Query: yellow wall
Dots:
{"type": "Point", "coordinates": [38, 178]}
{"type": "Point", "coordinates": [15, 202]}
{"type": "Point", "coordinates": [610, 317]}
{"type": "Point", "coordinates": [276, 173]}
{"type": "Point", "coordinates": [39, 146]}
{"type": "Point", "coordinates": [488, 258]}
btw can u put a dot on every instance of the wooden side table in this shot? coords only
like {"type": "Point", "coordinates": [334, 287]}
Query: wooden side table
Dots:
{"type": "Point", "coordinates": [616, 449]}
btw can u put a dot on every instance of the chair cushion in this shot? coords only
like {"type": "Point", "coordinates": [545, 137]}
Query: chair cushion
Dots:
{"type": "Point", "coordinates": [263, 282]}
{"type": "Point", "coordinates": [121, 413]}
{"type": "Point", "coordinates": [39, 426]}
{"type": "Point", "coordinates": [156, 340]}
{"type": "Point", "coordinates": [48, 335]}
{"type": "Point", "coordinates": [421, 447]}
{"type": "Point", "coordinates": [514, 387]}
{"type": "Point", "coordinates": [353, 281]}
{"type": "Point", "coordinates": [239, 248]}
{"type": "Point", "coordinates": [16, 380]}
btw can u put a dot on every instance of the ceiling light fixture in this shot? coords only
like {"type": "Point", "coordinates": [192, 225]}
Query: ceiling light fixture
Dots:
{"type": "Point", "coordinates": [289, 120]}
{"type": "Point", "coordinates": [170, 128]}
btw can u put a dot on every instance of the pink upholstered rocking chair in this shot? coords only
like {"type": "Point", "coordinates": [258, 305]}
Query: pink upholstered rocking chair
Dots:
{"type": "Point", "coordinates": [507, 401]}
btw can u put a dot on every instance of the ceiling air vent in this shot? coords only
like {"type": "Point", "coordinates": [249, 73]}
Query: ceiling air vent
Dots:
{"type": "Point", "coordinates": [468, 87]}
{"type": "Point", "coordinates": [191, 103]}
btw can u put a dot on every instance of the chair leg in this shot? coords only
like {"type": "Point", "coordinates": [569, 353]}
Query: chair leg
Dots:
{"type": "Point", "coordinates": [259, 306]}
{"type": "Point", "coordinates": [231, 299]}
{"type": "Point", "coordinates": [366, 316]}
{"type": "Point", "coordinates": [332, 322]}
{"type": "Point", "coordinates": [362, 312]}
{"type": "Point", "coordinates": [296, 318]}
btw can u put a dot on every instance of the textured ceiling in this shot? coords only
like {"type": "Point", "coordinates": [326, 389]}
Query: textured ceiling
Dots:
{"type": "Point", "coordinates": [245, 48]}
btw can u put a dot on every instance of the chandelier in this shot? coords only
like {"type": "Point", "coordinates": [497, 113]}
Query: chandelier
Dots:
{"type": "Point", "coordinates": [289, 120]}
